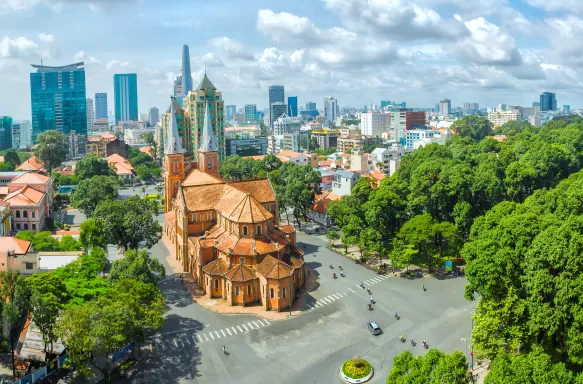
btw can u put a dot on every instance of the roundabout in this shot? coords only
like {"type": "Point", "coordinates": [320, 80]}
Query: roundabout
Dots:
{"type": "Point", "coordinates": [356, 370]}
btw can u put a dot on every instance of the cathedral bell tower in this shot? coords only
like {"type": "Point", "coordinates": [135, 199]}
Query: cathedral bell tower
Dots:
{"type": "Point", "coordinates": [208, 153]}
{"type": "Point", "coordinates": [173, 160]}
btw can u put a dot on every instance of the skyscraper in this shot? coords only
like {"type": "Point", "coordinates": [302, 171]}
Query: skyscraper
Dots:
{"type": "Point", "coordinates": [230, 111]}
{"type": "Point", "coordinates": [90, 114]}
{"type": "Point", "coordinates": [277, 109]}
{"type": "Point", "coordinates": [178, 87]}
{"type": "Point", "coordinates": [292, 106]}
{"type": "Point", "coordinates": [125, 88]}
{"type": "Point", "coordinates": [186, 74]}
{"type": "Point", "coordinates": [250, 112]}
{"type": "Point", "coordinates": [330, 108]}
{"type": "Point", "coordinates": [58, 99]}
{"type": "Point", "coordinates": [5, 132]}
{"type": "Point", "coordinates": [445, 107]}
{"type": "Point", "coordinates": [21, 134]}
{"type": "Point", "coordinates": [276, 95]}
{"type": "Point", "coordinates": [311, 106]}
{"type": "Point", "coordinates": [154, 116]}
{"type": "Point", "coordinates": [548, 102]}
{"type": "Point", "coordinates": [101, 105]}
{"type": "Point", "coordinates": [205, 93]}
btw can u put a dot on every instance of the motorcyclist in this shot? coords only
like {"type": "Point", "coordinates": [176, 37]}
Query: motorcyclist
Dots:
{"type": "Point", "coordinates": [371, 300]}
{"type": "Point", "coordinates": [334, 275]}
{"type": "Point", "coordinates": [401, 337]}
{"type": "Point", "coordinates": [369, 306]}
{"type": "Point", "coordinates": [396, 315]}
{"type": "Point", "coordinates": [342, 273]}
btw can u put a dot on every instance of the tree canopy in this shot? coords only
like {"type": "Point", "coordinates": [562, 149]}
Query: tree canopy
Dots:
{"type": "Point", "coordinates": [90, 166]}
{"type": "Point", "coordinates": [90, 192]}
{"type": "Point", "coordinates": [11, 156]}
{"type": "Point", "coordinates": [51, 149]}
{"type": "Point", "coordinates": [473, 126]}
{"type": "Point", "coordinates": [435, 367]}
{"type": "Point", "coordinates": [139, 265]}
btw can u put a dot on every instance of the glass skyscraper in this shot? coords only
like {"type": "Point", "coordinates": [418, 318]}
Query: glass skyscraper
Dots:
{"type": "Point", "coordinates": [276, 95]}
{"type": "Point", "coordinates": [292, 106]}
{"type": "Point", "coordinates": [58, 99]}
{"type": "Point", "coordinates": [101, 106]}
{"type": "Point", "coordinates": [5, 132]}
{"type": "Point", "coordinates": [125, 87]}
{"type": "Point", "coordinates": [548, 102]}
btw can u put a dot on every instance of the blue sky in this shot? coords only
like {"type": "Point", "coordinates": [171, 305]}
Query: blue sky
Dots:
{"type": "Point", "coordinates": [360, 51]}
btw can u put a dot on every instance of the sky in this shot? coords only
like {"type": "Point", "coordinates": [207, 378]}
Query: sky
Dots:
{"type": "Point", "coordinates": [359, 51]}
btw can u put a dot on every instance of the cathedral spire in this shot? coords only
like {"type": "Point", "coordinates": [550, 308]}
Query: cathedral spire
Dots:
{"type": "Point", "coordinates": [208, 141]}
{"type": "Point", "coordinates": [173, 141]}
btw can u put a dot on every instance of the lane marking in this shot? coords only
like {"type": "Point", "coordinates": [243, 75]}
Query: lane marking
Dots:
{"type": "Point", "coordinates": [268, 323]}
{"type": "Point", "coordinates": [245, 327]}
{"type": "Point", "coordinates": [234, 330]}
{"type": "Point", "coordinates": [223, 332]}
{"type": "Point", "coordinates": [240, 329]}
{"type": "Point", "coordinates": [219, 336]}
{"type": "Point", "coordinates": [325, 301]}
{"type": "Point", "coordinates": [250, 326]}
{"type": "Point", "coordinates": [175, 342]}
{"type": "Point", "coordinates": [330, 298]}
{"type": "Point", "coordinates": [206, 338]}
{"type": "Point", "coordinates": [230, 334]}
{"type": "Point", "coordinates": [210, 333]}
{"type": "Point", "coordinates": [339, 294]}
{"type": "Point", "coordinates": [350, 289]}
{"type": "Point", "coordinates": [256, 324]}
{"type": "Point", "coordinates": [261, 323]}
{"type": "Point", "coordinates": [199, 338]}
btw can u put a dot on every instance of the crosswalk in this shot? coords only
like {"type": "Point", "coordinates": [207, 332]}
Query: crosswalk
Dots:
{"type": "Point", "coordinates": [373, 281]}
{"type": "Point", "coordinates": [184, 339]}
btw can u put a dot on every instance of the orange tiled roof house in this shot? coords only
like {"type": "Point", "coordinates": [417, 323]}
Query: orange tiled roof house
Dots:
{"type": "Point", "coordinates": [227, 234]}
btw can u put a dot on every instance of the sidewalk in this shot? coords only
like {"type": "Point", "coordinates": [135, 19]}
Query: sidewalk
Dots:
{"type": "Point", "coordinates": [220, 306]}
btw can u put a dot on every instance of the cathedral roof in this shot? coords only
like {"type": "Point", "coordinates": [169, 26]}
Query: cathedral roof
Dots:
{"type": "Point", "coordinates": [216, 267]}
{"type": "Point", "coordinates": [240, 273]}
{"type": "Point", "coordinates": [208, 142]}
{"type": "Point", "coordinates": [173, 142]}
{"type": "Point", "coordinates": [259, 189]}
{"type": "Point", "coordinates": [198, 177]}
{"type": "Point", "coordinates": [271, 268]}
{"type": "Point", "coordinates": [205, 83]}
{"type": "Point", "coordinates": [240, 207]}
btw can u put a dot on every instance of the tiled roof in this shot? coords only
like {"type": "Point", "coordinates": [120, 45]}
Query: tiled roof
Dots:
{"type": "Point", "coordinates": [122, 166]}
{"type": "Point", "coordinates": [31, 165]}
{"type": "Point", "coordinates": [24, 196]}
{"type": "Point", "coordinates": [240, 273]}
{"type": "Point", "coordinates": [30, 178]}
{"type": "Point", "coordinates": [376, 174]}
{"type": "Point", "coordinates": [271, 268]}
{"type": "Point", "coordinates": [240, 207]}
{"type": "Point", "coordinates": [217, 267]}
{"type": "Point", "coordinates": [287, 153]}
{"type": "Point", "coordinates": [147, 150]}
{"type": "Point", "coordinates": [115, 158]}
{"type": "Point", "coordinates": [324, 199]}
{"type": "Point", "coordinates": [203, 197]}
{"type": "Point", "coordinates": [197, 177]}
{"type": "Point", "coordinates": [259, 189]}
{"type": "Point", "coordinates": [3, 191]}
{"type": "Point", "coordinates": [296, 262]}
{"type": "Point", "coordinates": [20, 247]}
{"type": "Point", "coordinates": [344, 174]}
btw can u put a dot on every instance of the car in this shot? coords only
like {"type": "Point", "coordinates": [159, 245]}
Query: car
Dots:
{"type": "Point", "coordinates": [374, 328]}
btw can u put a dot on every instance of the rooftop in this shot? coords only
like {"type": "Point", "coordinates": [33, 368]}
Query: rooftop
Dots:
{"type": "Point", "coordinates": [20, 247]}
{"type": "Point", "coordinates": [65, 68]}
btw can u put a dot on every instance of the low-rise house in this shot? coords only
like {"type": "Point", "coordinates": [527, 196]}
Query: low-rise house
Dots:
{"type": "Point", "coordinates": [105, 145]}
{"type": "Point", "coordinates": [18, 255]}
{"type": "Point", "coordinates": [344, 181]}
{"type": "Point", "coordinates": [32, 165]}
{"type": "Point", "coordinates": [123, 169]}
{"type": "Point", "coordinates": [319, 211]}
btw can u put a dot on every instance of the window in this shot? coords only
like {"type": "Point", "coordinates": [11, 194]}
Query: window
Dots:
{"type": "Point", "coordinates": [216, 283]}
{"type": "Point", "coordinates": [284, 293]}
{"type": "Point", "coordinates": [249, 290]}
{"type": "Point", "coordinates": [25, 227]}
{"type": "Point", "coordinates": [242, 260]}
{"type": "Point", "coordinates": [18, 214]}
{"type": "Point", "coordinates": [271, 292]}
{"type": "Point", "coordinates": [209, 216]}
{"type": "Point", "coordinates": [17, 226]}
{"type": "Point", "coordinates": [236, 290]}
{"type": "Point", "coordinates": [33, 214]}
{"type": "Point", "coordinates": [245, 231]}
{"type": "Point", "coordinates": [259, 229]}
{"type": "Point", "coordinates": [28, 265]}
{"type": "Point", "coordinates": [193, 218]}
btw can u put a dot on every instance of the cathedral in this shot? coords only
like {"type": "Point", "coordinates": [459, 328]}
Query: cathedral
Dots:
{"type": "Point", "coordinates": [227, 234]}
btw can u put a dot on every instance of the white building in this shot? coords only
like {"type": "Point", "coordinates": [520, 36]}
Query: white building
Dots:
{"type": "Point", "coordinates": [21, 134]}
{"type": "Point", "coordinates": [373, 123]}
{"type": "Point", "coordinates": [445, 107]}
{"type": "Point", "coordinates": [296, 142]}
{"type": "Point", "coordinates": [418, 137]}
{"type": "Point", "coordinates": [136, 136]}
{"type": "Point", "coordinates": [154, 116]}
{"type": "Point", "coordinates": [499, 118]}
{"type": "Point", "coordinates": [90, 114]}
{"type": "Point", "coordinates": [344, 181]}
{"type": "Point", "coordinates": [387, 160]}
{"type": "Point", "coordinates": [285, 124]}
{"type": "Point", "coordinates": [330, 108]}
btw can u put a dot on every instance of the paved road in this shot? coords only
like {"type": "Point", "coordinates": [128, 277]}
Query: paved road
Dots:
{"type": "Point", "coordinates": [311, 347]}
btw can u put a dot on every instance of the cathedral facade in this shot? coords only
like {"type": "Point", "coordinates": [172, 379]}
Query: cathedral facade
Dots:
{"type": "Point", "coordinates": [227, 234]}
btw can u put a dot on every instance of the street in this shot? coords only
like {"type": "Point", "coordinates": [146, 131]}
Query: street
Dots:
{"type": "Point", "coordinates": [310, 347]}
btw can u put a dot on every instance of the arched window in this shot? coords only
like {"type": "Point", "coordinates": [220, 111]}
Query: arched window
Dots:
{"type": "Point", "coordinates": [209, 216]}
{"type": "Point", "coordinates": [259, 229]}
{"type": "Point", "coordinates": [193, 217]}
{"type": "Point", "coordinates": [249, 290]}
{"type": "Point", "coordinates": [236, 290]}
{"type": "Point", "coordinates": [17, 214]}
{"type": "Point", "coordinates": [25, 214]}
{"type": "Point", "coordinates": [284, 292]}
{"type": "Point", "coordinates": [242, 260]}
{"type": "Point", "coordinates": [245, 230]}
{"type": "Point", "coordinates": [216, 283]}
{"type": "Point", "coordinates": [271, 292]}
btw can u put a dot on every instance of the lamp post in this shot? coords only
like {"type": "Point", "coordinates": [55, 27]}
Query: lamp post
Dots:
{"type": "Point", "coordinates": [466, 346]}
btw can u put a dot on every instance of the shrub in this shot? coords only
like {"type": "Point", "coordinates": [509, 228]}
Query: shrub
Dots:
{"type": "Point", "coordinates": [356, 368]}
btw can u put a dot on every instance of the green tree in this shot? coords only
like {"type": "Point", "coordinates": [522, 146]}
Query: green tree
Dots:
{"type": "Point", "coordinates": [435, 367]}
{"type": "Point", "coordinates": [61, 179]}
{"type": "Point", "coordinates": [139, 265]}
{"type": "Point", "coordinates": [151, 142]}
{"type": "Point", "coordinates": [332, 236]}
{"type": "Point", "coordinates": [75, 329]}
{"type": "Point", "coordinates": [90, 166]}
{"type": "Point", "coordinates": [51, 149]}
{"type": "Point", "coordinates": [69, 244]}
{"type": "Point", "coordinates": [237, 168]}
{"type": "Point", "coordinates": [44, 242]}
{"type": "Point", "coordinates": [473, 126]}
{"type": "Point", "coordinates": [129, 222]}
{"type": "Point", "coordinates": [270, 162]}
{"type": "Point", "coordinates": [92, 234]}
{"type": "Point", "coordinates": [11, 156]}
{"type": "Point", "coordinates": [91, 192]}
{"type": "Point", "coordinates": [7, 167]}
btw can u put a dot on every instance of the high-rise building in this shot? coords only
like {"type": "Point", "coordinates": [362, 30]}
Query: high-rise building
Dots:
{"type": "Point", "coordinates": [125, 88]}
{"type": "Point", "coordinates": [445, 107]}
{"type": "Point", "coordinates": [90, 114]}
{"type": "Point", "coordinates": [277, 109]}
{"type": "Point", "coordinates": [250, 112]}
{"type": "Point", "coordinates": [292, 106]}
{"type": "Point", "coordinates": [21, 134]}
{"type": "Point", "coordinates": [330, 108]}
{"type": "Point", "coordinates": [58, 99]}
{"type": "Point", "coordinates": [194, 106]}
{"type": "Point", "coordinates": [100, 105]}
{"type": "Point", "coordinates": [276, 95]}
{"type": "Point", "coordinates": [548, 102]}
{"type": "Point", "coordinates": [501, 117]}
{"type": "Point", "coordinates": [5, 132]}
{"type": "Point", "coordinates": [178, 89]}
{"type": "Point", "coordinates": [311, 106]}
{"type": "Point", "coordinates": [373, 123]}
{"type": "Point", "coordinates": [154, 116]}
{"type": "Point", "coordinates": [536, 104]}
{"type": "Point", "coordinates": [385, 103]}
{"type": "Point", "coordinates": [186, 73]}
{"type": "Point", "coordinates": [230, 111]}
{"type": "Point", "coordinates": [567, 109]}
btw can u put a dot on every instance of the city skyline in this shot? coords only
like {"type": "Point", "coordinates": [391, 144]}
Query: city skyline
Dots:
{"type": "Point", "coordinates": [490, 52]}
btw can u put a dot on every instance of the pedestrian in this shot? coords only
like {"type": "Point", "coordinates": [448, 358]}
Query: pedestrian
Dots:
{"type": "Point", "coordinates": [181, 278]}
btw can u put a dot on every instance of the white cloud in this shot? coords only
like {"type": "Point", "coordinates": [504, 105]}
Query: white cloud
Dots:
{"type": "Point", "coordinates": [557, 5]}
{"type": "Point", "coordinates": [19, 47]}
{"type": "Point", "coordinates": [18, 5]}
{"type": "Point", "coordinates": [117, 64]}
{"type": "Point", "coordinates": [565, 39]}
{"type": "Point", "coordinates": [230, 48]}
{"type": "Point", "coordinates": [46, 38]}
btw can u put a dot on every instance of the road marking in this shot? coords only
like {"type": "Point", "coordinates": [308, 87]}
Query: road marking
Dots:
{"type": "Point", "coordinates": [175, 342]}
{"type": "Point", "coordinates": [260, 322]}
{"type": "Point", "coordinates": [318, 305]}
{"type": "Point", "coordinates": [223, 332]}
{"type": "Point", "coordinates": [199, 338]}
{"type": "Point", "coordinates": [250, 326]}
{"type": "Point", "coordinates": [210, 333]}
{"type": "Point", "coordinates": [268, 323]}
{"type": "Point", "coordinates": [339, 294]}
{"type": "Point", "coordinates": [256, 324]}
{"type": "Point", "coordinates": [350, 289]}
{"type": "Point", "coordinates": [325, 301]}
{"type": "Point", "coordinates": [245, 327]}
{"type": "Point", "coordinates": [230, 334]}
{"type": "Point", "coordinates": [330, 298]}
{"type": "Point", "coordinates": [358, 286]}
{"type": "Point", "coordinates": [206, 338]}
{"type": "Point", "coordinates": [219, 336]}
{"type": "Point", "coordinates": [240, 329]}
{"type": "Point", "coordinates": [234, 330]}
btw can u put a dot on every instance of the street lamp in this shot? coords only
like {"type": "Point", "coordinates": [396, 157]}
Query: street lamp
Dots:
{"type": "Point", "coordinates": [466, 345]}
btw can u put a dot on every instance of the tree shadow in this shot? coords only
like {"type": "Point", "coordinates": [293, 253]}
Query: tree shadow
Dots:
{"type": "Point", "coordinates": [175, 292]}
{"type": "Point", "coordinates": [175, 353]}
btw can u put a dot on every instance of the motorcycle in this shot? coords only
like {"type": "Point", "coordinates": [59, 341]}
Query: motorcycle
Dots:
{"type": "Point", "coordinates": [370, 307]}
{"type": "Point", "coordinates": [334, 275]}
{"type": "Point", "coordinates": [331, 266]}
{"type": "Point", "coordinates": [425, 345]}
{"type": "Point", "coordinates": [397, 317]}
{"type": "Point", "coordinates": [342, 273]}
{"type": "Point", "coordinates": [402, 339]}
{"type": "Point", "coordinates": [368, 290]}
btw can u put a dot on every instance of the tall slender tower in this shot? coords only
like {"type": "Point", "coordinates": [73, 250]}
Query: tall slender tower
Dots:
{"type": "Point", "coordinates": [173, 161]}
{"type": "Point", "coordinates": [186, 73]}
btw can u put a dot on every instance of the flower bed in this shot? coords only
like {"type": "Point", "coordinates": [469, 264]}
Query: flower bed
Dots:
{"type": "Point", "coordinates": [356, 368]}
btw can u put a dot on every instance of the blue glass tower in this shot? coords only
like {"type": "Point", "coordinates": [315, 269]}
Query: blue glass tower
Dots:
{"type": "Point", "coordinates": [5, 132]}
{"type": "Point", "coordinates": [292, 106]}
{"type": "Point", "coordinates": [548, 102]}
{"type": "Point", "coordinates": [186, 73]}
{"type": "Point", "coordinates": [101, 105]}
{"type": "Point", "coordinates": [58, 99]}
{"type": "Point", "coordinates": [125, 87]}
